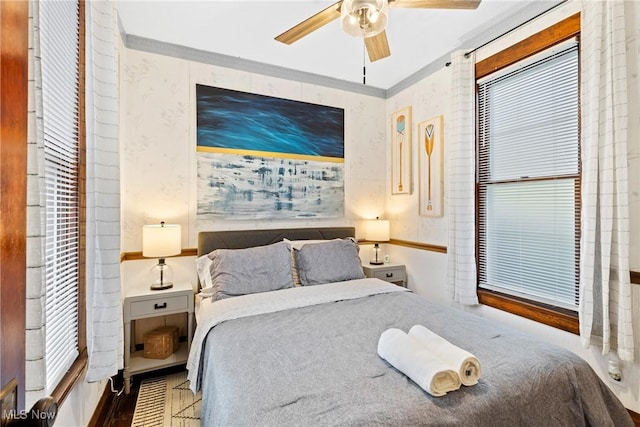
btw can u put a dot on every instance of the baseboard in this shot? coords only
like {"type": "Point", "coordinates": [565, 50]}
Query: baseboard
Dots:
{"type": "Point", "coordinates": [635, 417]}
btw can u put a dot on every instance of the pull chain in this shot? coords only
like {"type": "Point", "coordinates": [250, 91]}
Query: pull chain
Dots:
{"type": "Point", "coordinates": [364, 64]}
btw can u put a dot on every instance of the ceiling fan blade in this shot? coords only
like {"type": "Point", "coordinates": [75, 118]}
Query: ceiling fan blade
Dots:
{"type": "Point", "coordinates": [435, 4]}
{"type": "Point", "coordinates": [311, 24]}
{"type": "Point", "coordinates": [377, 46]}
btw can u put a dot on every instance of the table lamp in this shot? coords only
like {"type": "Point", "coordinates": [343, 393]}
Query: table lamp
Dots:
{"type": "Point", "coordinates": [161, 241]}
{"type": "Point", "coordinates": [377, 230]}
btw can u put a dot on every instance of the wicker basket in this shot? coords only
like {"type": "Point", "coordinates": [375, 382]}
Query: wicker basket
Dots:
{"type": "Point", "coordinates": [161, 343]}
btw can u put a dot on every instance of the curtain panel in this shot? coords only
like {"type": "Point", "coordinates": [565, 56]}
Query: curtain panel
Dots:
{"type": "Point", "coordinates": [104, 307]}
{"type": "Point", "coordinates": [605, 292]}
{"type": "Point", "coordinates": [461, 247]}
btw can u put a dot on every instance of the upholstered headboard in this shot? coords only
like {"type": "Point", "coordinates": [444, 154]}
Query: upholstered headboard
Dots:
{"type": "Point", "coordinates": [239, 239]}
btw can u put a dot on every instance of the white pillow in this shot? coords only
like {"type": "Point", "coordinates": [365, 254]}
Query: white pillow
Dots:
{"type": "Point", "coordinates": [203, 266]}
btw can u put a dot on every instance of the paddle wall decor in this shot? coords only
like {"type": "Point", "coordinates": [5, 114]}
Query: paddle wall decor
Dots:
{"type": "Point", "coordinates": [265, 157]}
{"type": "Point", "coordinates": [401, 151]}
{"type": "Point", "coordinates": [430, 154]}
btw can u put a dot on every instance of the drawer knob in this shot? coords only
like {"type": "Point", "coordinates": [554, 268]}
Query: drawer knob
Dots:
{"type": "Point", "coordinates": [160, 306]}
{"type": "Point", "coordinates": [389, 274]}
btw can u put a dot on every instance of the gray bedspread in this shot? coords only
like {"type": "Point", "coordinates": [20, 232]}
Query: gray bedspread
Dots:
{"type": "Point", "coordinates": [318, 366]}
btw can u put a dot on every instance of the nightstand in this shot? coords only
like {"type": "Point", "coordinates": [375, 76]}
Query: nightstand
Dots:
{"type": "Point", "coordinates": [142, 303]}
{"type": "Point", "coordinates": [389, 272]}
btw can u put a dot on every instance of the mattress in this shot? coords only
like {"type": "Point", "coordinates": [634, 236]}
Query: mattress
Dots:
{"type": "Point", "coordinates": [307, 356]}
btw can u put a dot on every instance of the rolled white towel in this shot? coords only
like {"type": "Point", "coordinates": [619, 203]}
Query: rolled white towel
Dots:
{"type": "Point", "coordinates": [409, 357]}
{"type": "Point", "coordinates": [464, 363]}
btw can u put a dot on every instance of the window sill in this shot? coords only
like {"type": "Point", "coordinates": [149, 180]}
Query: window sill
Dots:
{"type": "Point", "coordinates": [550, 316]}
{"type": "Point", "coordinates": [70, 379]}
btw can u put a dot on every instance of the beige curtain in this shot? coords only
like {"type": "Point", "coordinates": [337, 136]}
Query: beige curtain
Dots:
{"type": "Point", "coordinates": [105, 340]}
{"type": "Point", "coordinates": [460, 183]}
{"type": "Point", "coordinates": [605, 292]}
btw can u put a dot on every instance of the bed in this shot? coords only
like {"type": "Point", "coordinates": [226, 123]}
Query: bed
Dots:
{"type": "Point", "coordinates": [307, 355]}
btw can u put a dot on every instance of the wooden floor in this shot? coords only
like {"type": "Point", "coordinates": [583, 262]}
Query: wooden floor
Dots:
{"type": "Point", "coordinates": [119, 410]}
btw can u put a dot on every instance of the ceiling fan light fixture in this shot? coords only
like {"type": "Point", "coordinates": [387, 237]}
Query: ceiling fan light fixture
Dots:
{"type": "Point", "coordinates": [364, 18]}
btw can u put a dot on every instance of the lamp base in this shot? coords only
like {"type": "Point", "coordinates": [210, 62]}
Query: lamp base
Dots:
{"type": "Point", "coordinates": [161, 276]}
{"type": "Point", "coordinates": [376, 255]}
{"type": "Point", "coordinates": [159, 287]}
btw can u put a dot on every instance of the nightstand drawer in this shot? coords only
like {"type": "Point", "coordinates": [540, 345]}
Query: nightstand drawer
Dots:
{"type": "Point", "coordinates": [158, 306]}
{"type": "Point", "coordinates": [390, 276]}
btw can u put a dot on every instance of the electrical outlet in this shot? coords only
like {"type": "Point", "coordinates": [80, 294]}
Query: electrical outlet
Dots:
{"type": "Point", "coordinates": [614, 371]}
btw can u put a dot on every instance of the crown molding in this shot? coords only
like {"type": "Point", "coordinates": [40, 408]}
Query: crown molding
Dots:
{"type": "Point", "coordinates": [190, 54]}
{"type": "Point", "coordinates": [479, 37]}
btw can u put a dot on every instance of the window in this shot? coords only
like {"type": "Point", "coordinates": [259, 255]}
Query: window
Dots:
{"type": "Point", "coordinates": [60, 35]}
{"type": "Point", "coordinates": [528, 180]}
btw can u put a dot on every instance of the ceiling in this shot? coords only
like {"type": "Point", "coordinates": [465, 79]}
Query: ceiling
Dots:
{"type": "Point", "coordinates": [246, 30]}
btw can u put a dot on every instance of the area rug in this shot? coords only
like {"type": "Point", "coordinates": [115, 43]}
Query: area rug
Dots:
{"type": "Point", "coordinates": [167, 402]}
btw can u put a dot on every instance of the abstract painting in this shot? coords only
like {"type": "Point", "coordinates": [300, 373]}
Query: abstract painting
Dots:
{"type": "Point", "coordinates": [265, 157]}
{"type": "Point", "coordinates": [431, 153]}
{"type": "Point", "coordinates": [401, 151]}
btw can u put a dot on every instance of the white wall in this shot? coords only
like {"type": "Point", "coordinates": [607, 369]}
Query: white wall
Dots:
{"type": "Point", "coordinates": [428, 98]}
{"type": "Point", "coordinates": [427, 270]}
{"type": "Point", "coordinates": [158, 160]}
{"type": "Point", "coordinates": [80, 404]}
{"type": "Point", "coordinates": [158, 153]}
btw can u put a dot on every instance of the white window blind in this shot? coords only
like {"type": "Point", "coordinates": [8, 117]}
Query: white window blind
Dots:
{"type": "Point", "coordinates": [529, 178]}
{"type": "Point", "coordinates": [59, 32]}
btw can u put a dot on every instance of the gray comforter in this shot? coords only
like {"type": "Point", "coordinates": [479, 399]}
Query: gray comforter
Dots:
{"type": "Point", "coordinates": [318, 365]}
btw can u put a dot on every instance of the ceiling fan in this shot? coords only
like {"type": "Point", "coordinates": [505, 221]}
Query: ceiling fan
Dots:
{"type": "Point", "coordinates": [367, 19]}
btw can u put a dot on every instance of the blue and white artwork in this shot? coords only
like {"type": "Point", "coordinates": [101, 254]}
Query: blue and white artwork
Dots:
{"type": "Point", "coordinates": [267, 157]}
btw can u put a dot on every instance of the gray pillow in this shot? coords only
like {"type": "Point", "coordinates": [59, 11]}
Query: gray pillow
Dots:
{"type": "Point", "coordinates": [296, 245]}
{"type": "Point", "coordinates": [332, 261]}
{"type": "Point", "coordinates": [237, 272]}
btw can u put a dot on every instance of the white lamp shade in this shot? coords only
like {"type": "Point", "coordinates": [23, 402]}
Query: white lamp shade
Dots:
{"type": "Point", "coordinates": [377, 230]}
{"type": "Point", "coordinates": [161, 240]}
